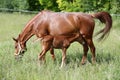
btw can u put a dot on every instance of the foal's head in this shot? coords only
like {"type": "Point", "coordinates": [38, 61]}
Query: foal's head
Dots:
{"type": "Point", "coordinates": [20, 48]}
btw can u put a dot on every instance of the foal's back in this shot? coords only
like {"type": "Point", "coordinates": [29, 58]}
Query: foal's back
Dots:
{"type": "Point", "coordinates": [62, 41]}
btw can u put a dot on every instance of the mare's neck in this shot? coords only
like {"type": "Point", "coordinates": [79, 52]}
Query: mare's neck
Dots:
{"type": "Point", "coordinates": [26, 34]}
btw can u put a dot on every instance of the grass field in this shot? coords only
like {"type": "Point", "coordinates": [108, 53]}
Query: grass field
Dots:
{"type": "Point", "coordinates": [107, 54]}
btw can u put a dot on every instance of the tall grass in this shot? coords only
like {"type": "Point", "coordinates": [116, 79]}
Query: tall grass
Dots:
{"type": "Point", "coordinates": [107, 53]}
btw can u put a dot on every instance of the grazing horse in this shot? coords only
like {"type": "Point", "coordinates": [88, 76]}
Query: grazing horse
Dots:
{"type": "Point", "coordinates": [58, 42]}
{"type": "Point", "coordinates": [60, 23]}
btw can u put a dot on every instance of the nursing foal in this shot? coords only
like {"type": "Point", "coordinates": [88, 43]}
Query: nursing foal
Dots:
{"type": "Point", "coordinates": [58, 42]}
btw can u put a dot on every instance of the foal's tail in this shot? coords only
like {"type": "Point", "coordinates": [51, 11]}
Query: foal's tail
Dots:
{"type": "Point", "coordinates": [105, 18]}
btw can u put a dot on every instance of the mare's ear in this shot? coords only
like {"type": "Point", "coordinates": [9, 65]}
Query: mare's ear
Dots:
{"type": "Point", "coordinates": [15, 39]}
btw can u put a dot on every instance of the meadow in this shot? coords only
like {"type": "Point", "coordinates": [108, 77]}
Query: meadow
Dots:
{"type": "Point", "coordinates": [107, 66]}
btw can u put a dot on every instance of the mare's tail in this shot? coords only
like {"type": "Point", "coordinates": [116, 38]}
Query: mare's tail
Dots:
{"type": "Point", "coordinates": [105, 18]}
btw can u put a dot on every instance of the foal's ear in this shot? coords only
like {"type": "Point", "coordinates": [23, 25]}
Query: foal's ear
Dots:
{"type": "Point", "coordinates": [15, 39]}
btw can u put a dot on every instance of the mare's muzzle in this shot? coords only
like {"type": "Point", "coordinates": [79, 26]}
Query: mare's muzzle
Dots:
{"type": "Point", "coordinates": [20, 54]}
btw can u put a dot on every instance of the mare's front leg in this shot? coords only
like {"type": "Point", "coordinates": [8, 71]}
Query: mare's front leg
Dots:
{"type": "Point", "coordinates": [63, 57]}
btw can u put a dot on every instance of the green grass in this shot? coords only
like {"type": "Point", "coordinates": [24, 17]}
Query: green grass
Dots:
{"type": "Point", "coordinates": [107, 53]}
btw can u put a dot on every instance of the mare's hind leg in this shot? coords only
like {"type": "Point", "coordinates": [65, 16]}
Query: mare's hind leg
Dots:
{"type": "Point", "coordinates": [52, 54]}
{"type": "Point", "coordinates": [82, 41]}
{"type": "Point", "coordinates": [84, 57]}
{"type": "Point", "coordinates": [92, 48]}
{"type": "Point", "coordinates": [85, 50]}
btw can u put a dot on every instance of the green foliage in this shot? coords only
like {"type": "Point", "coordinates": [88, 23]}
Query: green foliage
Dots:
{"type": "Point", "coordinates": [34, 5]}
{"type": "Point", "coordinates": [88, 5]}
{"type": "Point", "coordinates": [65, 5]}
{"type": "Point", "coordinates": [49, 4]}
{"type": "Point", "coordinates": [112, 6]}
{"type": "Point", "coordinates": [115, 4]}
{"type": "Point", "coordinates": [14, 4]}
{"type": "Point", "coordinates": [6, 4]}
{"type": "Point", "coordinates": [20, 4]}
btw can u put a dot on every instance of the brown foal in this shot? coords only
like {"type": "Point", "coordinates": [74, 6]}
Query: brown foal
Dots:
{"type": "Point", "coordinates": [58, 42]}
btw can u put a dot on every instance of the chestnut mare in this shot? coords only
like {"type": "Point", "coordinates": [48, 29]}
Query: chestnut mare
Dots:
{"type": "Point", "coordinates": [60, 24]}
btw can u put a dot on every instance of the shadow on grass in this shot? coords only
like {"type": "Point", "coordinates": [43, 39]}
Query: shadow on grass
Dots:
{"type": "Point", "coordinates": [75, 57]}
{"type": "Point", "coordinates": [100, 58]}
{"type": "Point", "coordinates": [104, 58]}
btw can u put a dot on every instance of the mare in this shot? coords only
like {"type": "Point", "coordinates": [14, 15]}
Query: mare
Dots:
{"type": "Point", "coordinates": [58, 42]}
{"type": "Point", "coordinates": [60, 23]}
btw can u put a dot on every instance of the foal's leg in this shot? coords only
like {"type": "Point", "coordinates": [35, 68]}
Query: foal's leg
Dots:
{"type": "Point", "coordinates": [52, 54]}
{"type": "Point", "coordinates": [45, 48]}
{"type": "Point", "coordinates": [41, 57]}
{"type": "Point", "coordinates": [63, 57]}
{"type": "Point", "coordinates": [92, 48]}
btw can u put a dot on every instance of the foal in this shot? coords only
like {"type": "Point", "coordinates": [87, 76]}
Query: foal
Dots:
{"type": "Point", "coordinates": [58, 42]}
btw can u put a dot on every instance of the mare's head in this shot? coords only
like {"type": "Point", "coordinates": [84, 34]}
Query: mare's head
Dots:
{"type": "Point", "coordinates": [20, 48]}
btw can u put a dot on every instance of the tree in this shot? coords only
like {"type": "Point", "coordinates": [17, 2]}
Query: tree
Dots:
{"type": "Point", "coordinates": [112, 6]}
{"type": "Point", "coordinates": [19, 4]}
{"type": "Point", "coordinates": [49, 4]}
{"type": "Point", "coordinates": [34, 5]}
